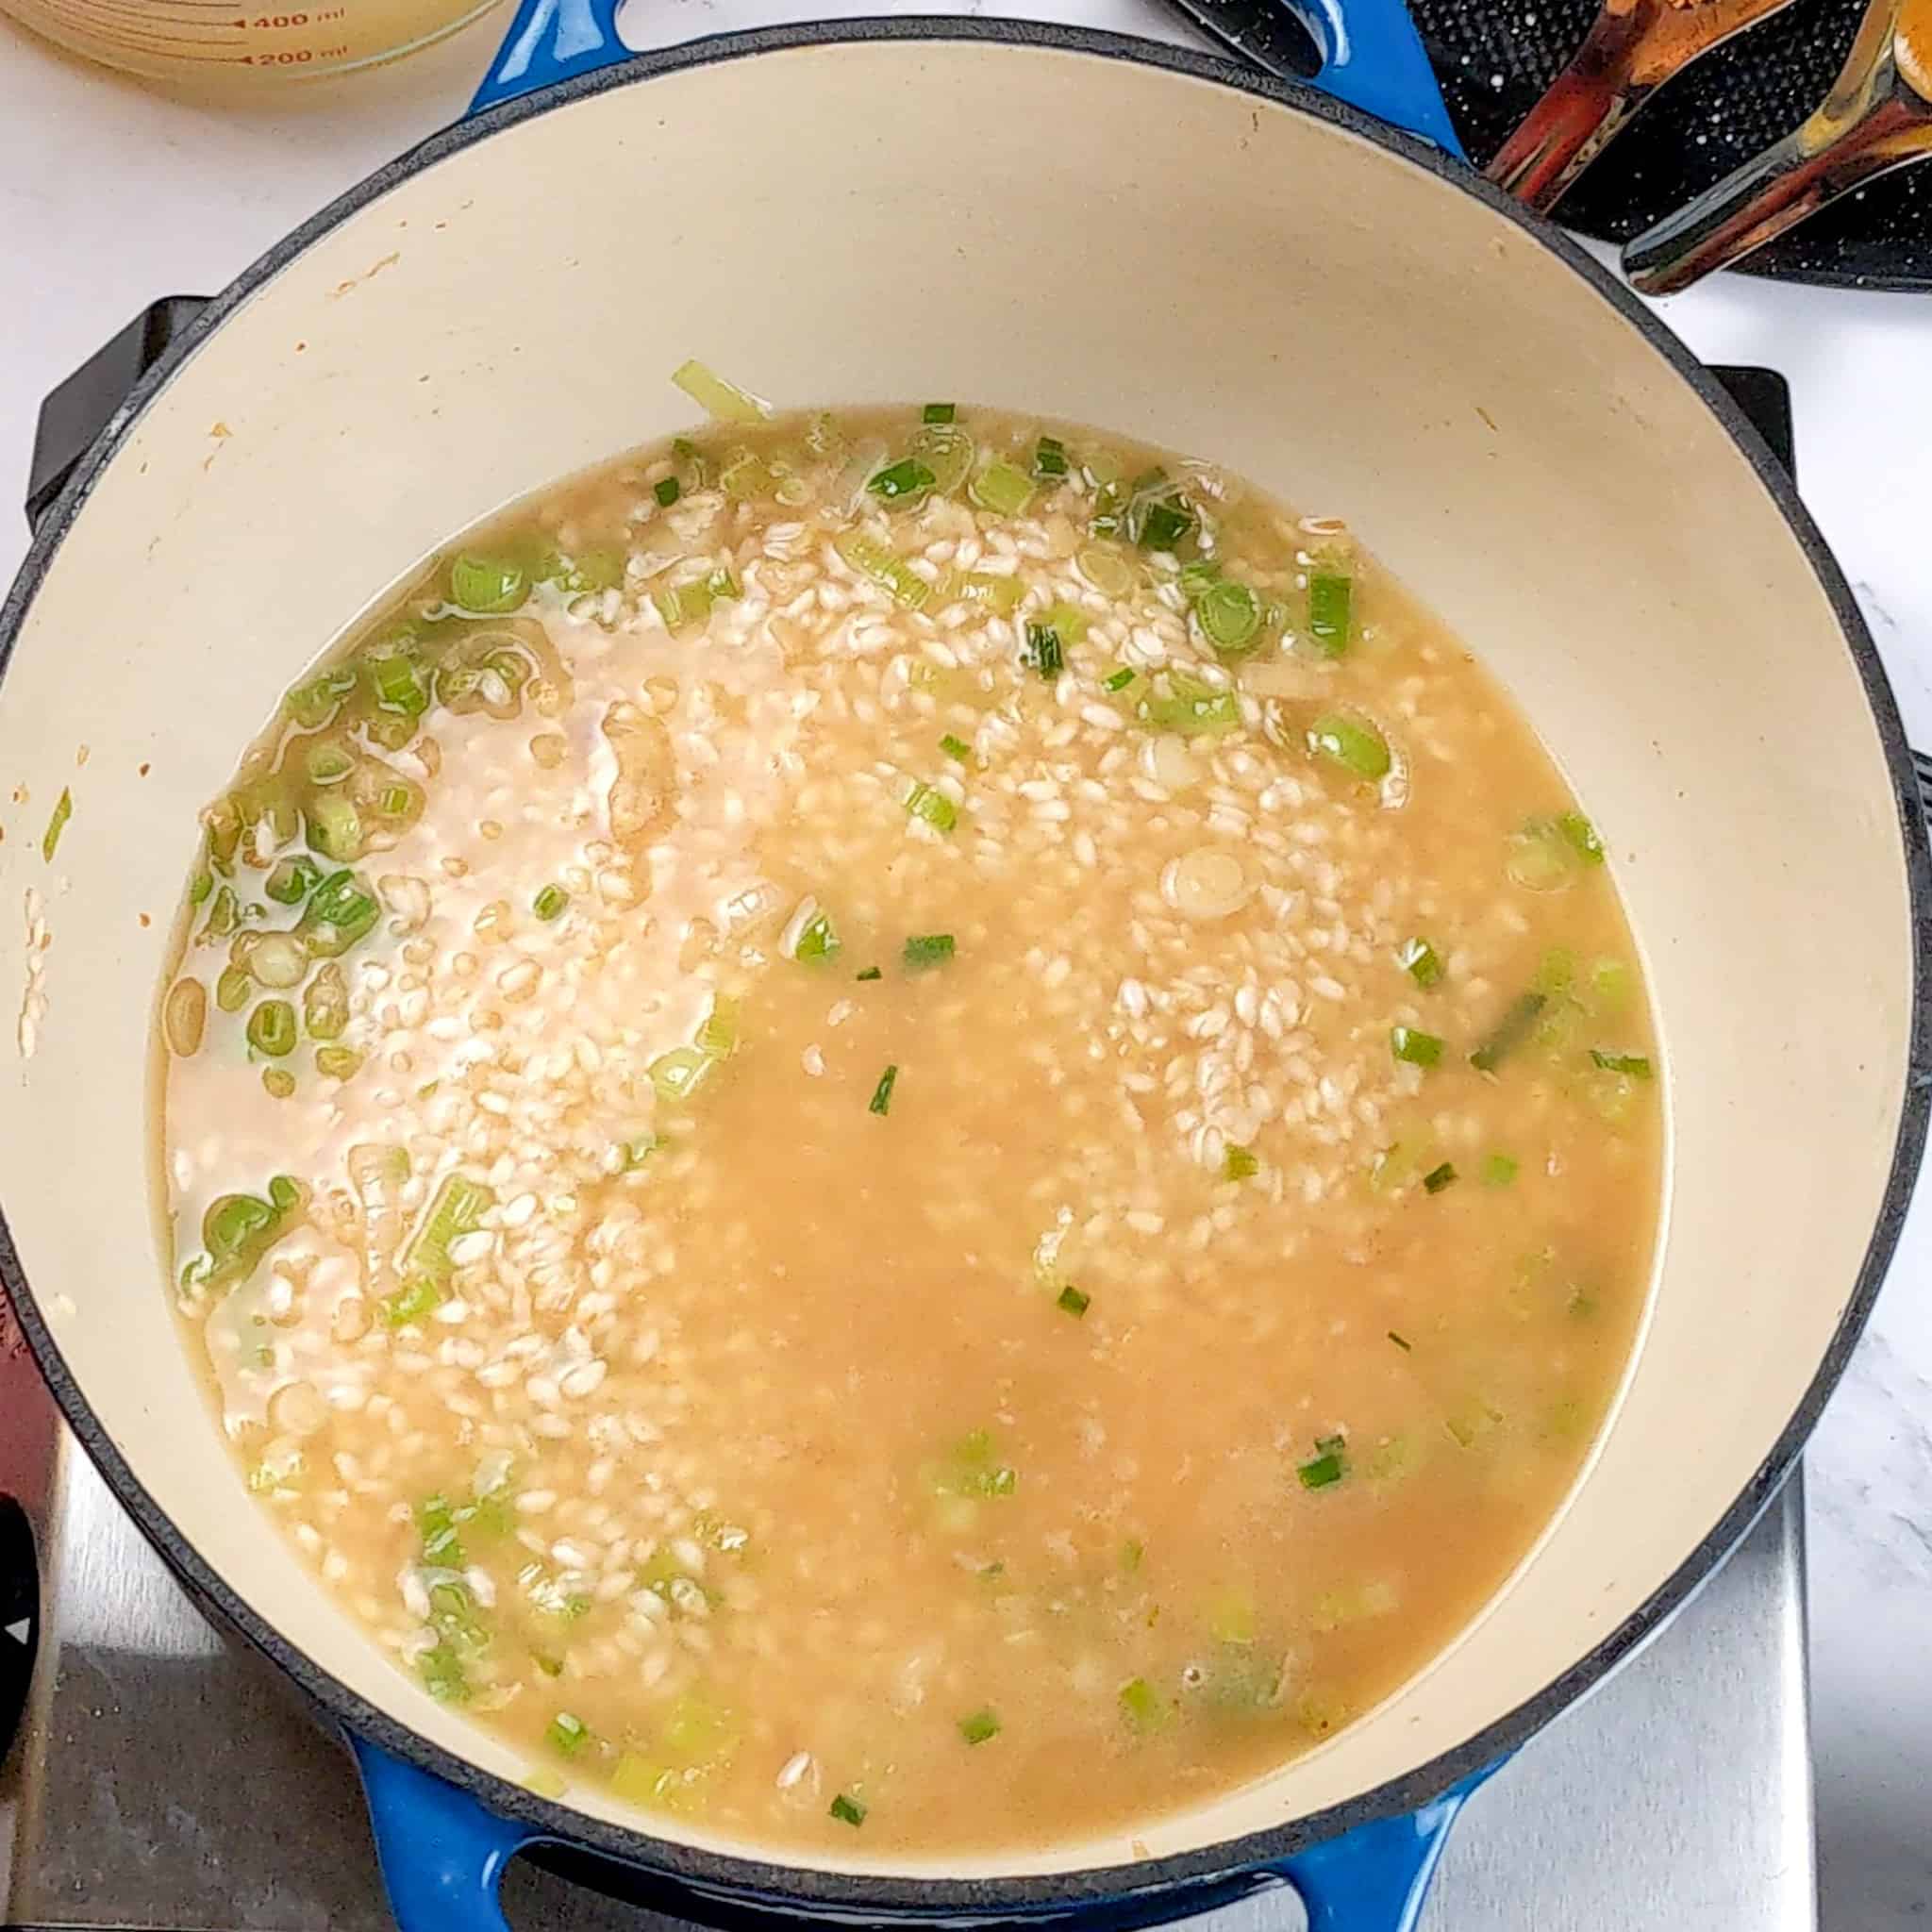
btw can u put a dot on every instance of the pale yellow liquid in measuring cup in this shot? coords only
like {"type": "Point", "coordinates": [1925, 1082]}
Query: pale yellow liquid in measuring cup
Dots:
{"type": "Point", "coordinates": [220, 44]}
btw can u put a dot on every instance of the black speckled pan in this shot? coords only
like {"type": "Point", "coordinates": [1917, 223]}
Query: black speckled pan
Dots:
{"type": "Point", "coordinates": [1495, 59]}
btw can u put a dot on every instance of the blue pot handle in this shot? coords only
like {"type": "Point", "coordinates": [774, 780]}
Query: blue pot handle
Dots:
{"type": "Point", "coordinates": [442, 1853]}
{"type": "Point", "coordinates": [1372, 58]}
{"type": "Point", "coordinates": [1375, 1878]}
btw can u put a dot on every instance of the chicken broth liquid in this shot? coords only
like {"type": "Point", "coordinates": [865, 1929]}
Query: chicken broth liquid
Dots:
{"type": "Point", "coordinates": [908, 1126]}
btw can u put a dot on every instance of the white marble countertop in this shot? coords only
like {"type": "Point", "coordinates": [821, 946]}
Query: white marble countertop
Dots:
{"type": "Point", "coordinates": [112, 196]}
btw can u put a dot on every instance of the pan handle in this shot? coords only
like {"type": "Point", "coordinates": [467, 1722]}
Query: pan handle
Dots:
{"type": "Point", "coordinates": [442, 1855]}
{"type": "Point", "coordinates": [1372, 57]}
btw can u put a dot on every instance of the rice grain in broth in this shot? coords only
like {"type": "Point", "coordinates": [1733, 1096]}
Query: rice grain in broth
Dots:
{"type": "Point", "coordinates": [907, 1123]}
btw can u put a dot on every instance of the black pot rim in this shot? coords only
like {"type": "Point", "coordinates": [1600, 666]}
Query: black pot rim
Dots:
{"type": "Point", "coordinates": [1147, 1888]}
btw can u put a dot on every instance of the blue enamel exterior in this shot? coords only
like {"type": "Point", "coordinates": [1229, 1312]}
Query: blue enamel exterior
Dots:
{"type": "Point", "coordinates": [1372, 58]}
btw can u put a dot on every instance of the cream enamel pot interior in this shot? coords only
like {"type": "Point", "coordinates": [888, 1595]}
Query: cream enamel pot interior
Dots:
{"type": "Point", "coordinates": [1139, 238]}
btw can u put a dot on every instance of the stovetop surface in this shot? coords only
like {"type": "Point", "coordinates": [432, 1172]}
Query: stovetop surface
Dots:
{"type": "Point", "coordinates": [167, 1778]}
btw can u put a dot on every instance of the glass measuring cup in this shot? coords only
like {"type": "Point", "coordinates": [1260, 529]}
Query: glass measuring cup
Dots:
{"type": "Point", "coordinates": [227, 46]}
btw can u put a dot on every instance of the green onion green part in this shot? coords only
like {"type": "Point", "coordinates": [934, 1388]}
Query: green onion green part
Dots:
{"type": "Point", "coordinates": [882, 1101]}
{"type": "Point", "coordinates": [1049, 456]}
{"type": "Point", "coordinates": [1404, 1346]}
{"type": "Point", "coordinates": [1043, 650]}
{"type": "Point", "coordinates": [1142, 1706]}
{"type": "Point", "coordinates": [567, 1733]}
{"type": "Point", "coordinates": [1001, 488]}
{"type": "Point", "coordinates": [667, 489]}
{"type": "Point", "coordinates": [817, 938]}
{"type": "Point", "coordinates": [1237, 1163]}
{"type": "Point", "coordinates": [1230, 613]}
{"type": "Point", "coordinates": [1419, 1049]}
{"type": "Point", "coordinates": [980, 1728]}
{"type": "Point", "coordinates": [934, 808]}
{"type": "Point", "coordinates": [1511, 1030]}
{"type": "Point", "coordinates": [847, 1810]}
{"type": "Point", "coordinates": [1072, 1302]}
{"type": "Point", "coordinates": [550, 902]}
{"type": "Point", "coordinates": [1440, 1178]}
{"type": "Point", "coordinates": [1330, 596]}
{"type": "Point", "coordinates": [1499, 1170]}
{"type": "Point", "coordinates": [488, 585]}
{"type": "Point", "coordinates": [926, 950]}
{"type": "Point", "coordinates": [955, 747]}
{"type": "Point", "coordinates": [938, 412]}
{"type": "Point", "coordinates": [1353, 745]}
{"type": "Point", "coordinates": [272, 1028]}
{"type": "Point", "coordinates": [1635, 1064]}
{"type": "Point", "coordinates": [1421, 961]}
{"type": "Point", "coordinates": [1119, 680]}
{"type": "Point", "coordinates": [870, 972]}
{"type": "Point", "coordinates": [1328, 1466]}
{"type": "Point", "coordinates": [1582, 837]}
{"type": "Point", "coordinates": [63, 810]}
{"type": "Point", "coordinates": [905, 478]}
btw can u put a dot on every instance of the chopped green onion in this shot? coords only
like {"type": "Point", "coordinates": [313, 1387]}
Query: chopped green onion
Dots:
{"type": "Point", "coordinates": [717, 397]}
{"type": "Point", "coordinates": [456, 1210]}
{"type": "Point", "coordinates": [746, 478]}
{"type": "Point", "coordinates": [1238, 1164]}
{"type": "Point", "coordinates": [1421, 961]}
{"type": "Point", "coordinates": [633, 1154]}
{"type": "Point", "coordinates": [1440, 1178]}
{"type": "Point", "coordinates": [567, 1733]}
{"type": "Point", "coordinates": [338, 1062]}
{"type": "Point", "coordinates": [667, 489]}
{"type": "Point", "coordinates": [489, 584]}
{"type": "Point", "coordinates": [1412, 1045]}
{"type": "Point", "coordinates": [891, 573]}
{"type": "Point", "coordinates": [999, 593]}
{"type": "Point", "coordinates": [1156, 516]}
{"type": "Point", "coordinates": [870, 972]}
{"type": "Point", "coordinates": [1001, 488]}
{"type": "Point", "coordinates": [1194, 709]}
{"type": "Point", "coordinates": [550, 902]}
{"type": "Point", "coordinates": [1119, 680]}
{"type": "Point", "coordinates": [926, 949]}
{"type": "Point", "coordinates": [938, 412]}
{"type": "Point", "coordinates": [1635, 1064]}
{"type": "Point", "coordinates": [293, 880]}
{"type": "Point", "coordinates": [955, 747]}
{"type": "Point", "coordinates": [1072, 1302]}
{"type": "Point", "coordinates": [718, 1035]}
{"type": "Point", "coordinates": [1142, 1706]}
{"type": "Point", "coordinates": [399, 683]}
{"type": "Point", "coordinates": [1043, 650]}
{"type": "Point", "coordinates": [1330, 596]}
{"type": "Point", "coordinates": [1352, 744]}
{"type": "Point", "coordinates": [1328, 1467]}
{"type": "Point", "coordinates": [396, 801]}
{"type": "Point", "coordinates": [1543, 856]}
{"type": "Point", "coordinates": [1132, 1551]}
{"type": "Point", "coordinates": [1511, 1030]}
{"type": "Point", "coordinates": [442, 1675]}
{"type": "Point", "coordinates": [1404, 1346]}
{"type": "Point", "coordinates": [1049, 456]}
{"type": "Point", "coordinates": [934, 808]}
{"type": "Point", "coordinates": [882, 1101]}
{"type": "Point", "coordinates": [980, 1728]}
{"type": "Point", "coordinates": [817, 938]}
{"type": "Point", "coordinates": [277, 1082]}
{"type": "Point", "coordinates": [1230, 613]}
{"type": "Point", "coordinates": [63, 810]}
{"type": "Point", "coordinates": [1582, 837]}
{"type": "Point", "coordinates": [1499, 1170]}
{"type": "Point", "coordinates": [326, 1003]}
{"type": "Point", "coordinates": [905, 478]}
{"type": "Point", "coordinates": [847, 1810]}
{"type": "Point", "coordinates": [340, 911]}
{"type": "Point", "coordinates": [947, 453]}
{"type": "Point", "coordinates": [314, 704]}
{"type": "Point", "coordinates": [327, 764]}
{"type": "Point", "coordinates": [272, 1028]}
{"type": "Point", "coordinates": [335, 828]}
{"type": "Point", "coordinates": [409, 1303]}
{"type": "Point", "coordinates": [234, 989]}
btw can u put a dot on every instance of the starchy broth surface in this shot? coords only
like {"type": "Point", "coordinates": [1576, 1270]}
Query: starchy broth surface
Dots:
{"type": "Point", "coordinates": [906, 1134]}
